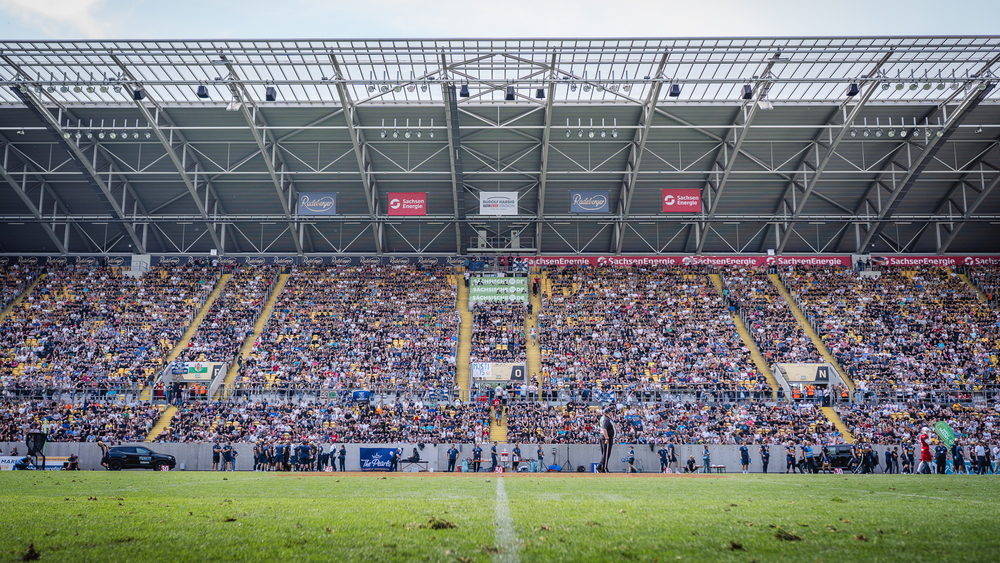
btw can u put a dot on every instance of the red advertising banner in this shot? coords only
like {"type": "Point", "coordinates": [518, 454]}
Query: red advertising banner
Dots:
{"type": "Point", "coordinates": [407, 203]}
{"type": "Point", "coordinates": [757, 261]}
{"type": "Point", "coordinates": [681, 201]}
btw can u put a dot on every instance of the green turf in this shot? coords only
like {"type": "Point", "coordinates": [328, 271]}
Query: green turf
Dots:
{"type": "Point", "coordinates": [175, 516]}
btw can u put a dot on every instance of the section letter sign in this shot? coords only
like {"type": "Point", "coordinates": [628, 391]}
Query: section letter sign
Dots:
{"type": "Point", "coordinates": [681, 201]}
{"type": "Point", "coordinates": [407, 203]}
{"type": "Point", "coordinates": [589, 201]}
{"type": "Point", "coordinates": [498, 203]}
{"type": "Point", "coordinates": [317, 203]}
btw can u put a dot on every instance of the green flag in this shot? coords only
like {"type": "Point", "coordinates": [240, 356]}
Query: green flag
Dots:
{"type": "Point", "coordinates": [945, 432]}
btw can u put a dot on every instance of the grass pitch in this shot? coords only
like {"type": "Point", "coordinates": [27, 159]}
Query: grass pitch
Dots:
{"type": "Point", "coordinates": [176, 516]}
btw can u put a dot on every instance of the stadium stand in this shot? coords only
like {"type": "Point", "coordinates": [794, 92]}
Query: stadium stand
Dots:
{"type": "Point", "coordinates": [891, 423]}
{"type": "Point", "coordinates": [641, 331]}
{"type": "Point", "coordinates": [498, 332]}
{"type": "Point", "coordinates": [14, 279]}
{"type": "Point", "coordinates": [331, 421]}
{"type": "Point", "coordinates": [387, 329]}
{"type": "Point", "coordinates": [680, 422]}
{"type": "Point", "coordinates": [908, 333]}
{"type": "Point", "coordinates": [77, 422]}
{"type": "Point", "coordinates": [768, 317]}
{"type": "Point", "coordinates": [230, 319]}
{"type": "Point", "coordinates": [93, 327]}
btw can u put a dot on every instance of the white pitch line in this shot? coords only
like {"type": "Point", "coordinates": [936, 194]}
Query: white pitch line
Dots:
{"type": "Point", "coordinates": [507, 541]}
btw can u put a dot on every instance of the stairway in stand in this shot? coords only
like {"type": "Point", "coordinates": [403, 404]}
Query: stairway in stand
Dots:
{"type": "Point", "coordinates": [839, 423]}
{"type": "Point", "coordinates": [498, 428]}
{"type": "Point", "coordinates": [804, 323]}
{"type": "Point", "coordinates": [463, 376]}
{"type": "Point", "coordinates": [533, 352]}
{"type": "Point", "coordinates": [147, 391]}
{"type": "Point", "coordinates": [979, 292]}
{"type": "Point", "coordinates": [748, 341]}
{"type": "Point", "coordinates": [162, 423]}
{"type": "Point", "coordinates": [258, 327]}
{"type": "Point", "coordinates": [20, 297]}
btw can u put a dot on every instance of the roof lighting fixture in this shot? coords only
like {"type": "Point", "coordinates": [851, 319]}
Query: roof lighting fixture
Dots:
{"type": "Point", "coordinates": [78, 135]}
{"type": "Point", "coordinates": [940, 132]}
{"type": "Point", "coordinates": [900, 86]}
{"type": "Point", "coordinates": [914, 86]}
{"type": "Point", "coordinates": [135, 134]}
{"type": "Point", "coordinates": [51, 89]}
{"type": "Point", "coordinates": [463, 92]}
{"type": "Point", "coordinates": [64, 89]}
{"type": "Point", "coordinates": [100, 135]}
{"type": "Point", "coordinates": [103, 89]}
{"type": "Point", "coordinates": [148, 134]}
{"type": "Point", "coordinates": [572, 87]}
{"type": "Point", "coordinates": [878, 132]}
{"type": "Point", "coordinates": [586, 87]}
{"type": "Point", "coordinates": [510, 94]}
{"type": "Point", "coordinates": [854, 132]}
{"type": "Point", "coordinates": [90, 134]}
{"type": "Point", "coordinates": [853, 89]}
{"type": "Point", "coordinates": [568, 133]}
{"type": "Point", "coordinates": [77, 89]}
{"type": "Point", "coordinates": [407, 134]}
{"type": "Point", "coordinates": [383, 134]}
{"type": "Point", "coordinates": [902, 133]}
{"type": "Point", "coordinates": [202, 92]}
{"type": "Point", "coordinates": [886, 85]}
{"type": "Point", "coordinates": [20, 131]}
{"type": "Point", "coordinates": [112, 135]}
{"type": "Point", "coordinates": [423, 87]}
{"type": "Point", "coordinates": [371, 87]}
{"type": "Point", "coordinates": [117, 89]}
{"type": "Point", "coordinates": [384, 88]}
{"type": "Point", "coordinates": [90, 89]}
{"type": "Point", "coordinates": [614, 132]}
{"type": "Point", "coordinates": [431, 132]}
{"type": "Point", "coordinates": [867, 132]}
{"type": "Point", "coordinates": [891, 133]}
{"type": "Point", "coordinates": [979, 129]}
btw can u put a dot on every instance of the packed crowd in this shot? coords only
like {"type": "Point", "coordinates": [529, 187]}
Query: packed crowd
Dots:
{"type": "Point", "coordinates": [680, 422]}
{"type": "Point", "coordinates": [894, 423]}
{"type": "Point", "coordinates": [498, 332]}
{"type": "Point", "coordinates": [13, 280]}
{"type": "Point", "coordinates": [93, 327]}
{"type": "Point", "coordinates": [383, 328]}
{"type": "Point", "coordinates": [335, 421]}
{"type": "Point", "coordinates": [231, 317]}
{"type": "Point", "coordinates": [768, 317]}
{"type": "Point", "coordinates": [906, 333]}
{"type": "Point", "coordinates": [987, 279]}
{"type": "Point", "coordinates": [640, 330]}
{"type": "Point", "coordinates": [78, 422]}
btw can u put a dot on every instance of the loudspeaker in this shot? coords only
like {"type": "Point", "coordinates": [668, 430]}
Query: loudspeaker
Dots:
{"type": "Point", "coordinates": [35, 442]}
{"type": "Point", "coordinates": [138, 94]}
{"type": "Point", "coordinates": [270, 93]}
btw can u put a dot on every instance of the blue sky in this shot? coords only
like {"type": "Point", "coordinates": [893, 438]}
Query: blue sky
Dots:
{"type": "Point", "coordinates": [293, 19]}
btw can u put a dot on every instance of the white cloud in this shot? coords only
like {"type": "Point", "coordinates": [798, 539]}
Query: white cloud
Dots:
{"type": "Point", "coordinates": [57, 17]}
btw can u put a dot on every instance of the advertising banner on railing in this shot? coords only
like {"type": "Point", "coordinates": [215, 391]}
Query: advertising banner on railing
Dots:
{"type": "Point", "coordinates": [736, 260]}
{"type": "Point", "coordinates": [7, 463]}
{"type": "Point", "coordinates": [498, 203]}
{"type": "Point", "coordinates": [681, 200]}
{"type": "Point", "coordinates": [497, 371]}
{"type": "Point", "coordinates": [589, 201]}
{"type": "Point", "coordinates": [376, 459]}
{"type": "Point", "coordinates": [407, 203]}
{"type": "Point", "coordinates": [498, 289]}
{"type": "Point", "coordinates": [191, 372]}
{"type": "Point", "coordinates": [317, 203]}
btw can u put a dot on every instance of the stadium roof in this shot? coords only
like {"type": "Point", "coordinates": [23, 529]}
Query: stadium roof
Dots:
{"type": "Point", "coordinates": [174, 146]}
